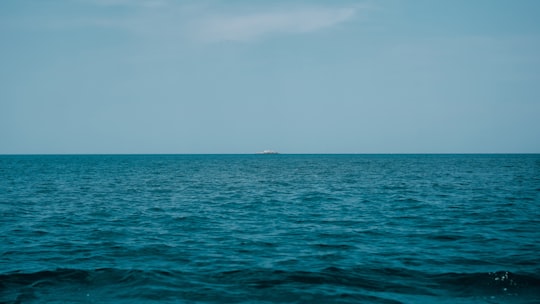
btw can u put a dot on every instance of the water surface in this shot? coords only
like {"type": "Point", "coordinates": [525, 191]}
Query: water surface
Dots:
{"type": "Point", "coordinates": [270, 228]}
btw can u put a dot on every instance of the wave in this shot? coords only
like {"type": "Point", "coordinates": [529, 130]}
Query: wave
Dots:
{"type": "Point", "coordinates": [384, 285]}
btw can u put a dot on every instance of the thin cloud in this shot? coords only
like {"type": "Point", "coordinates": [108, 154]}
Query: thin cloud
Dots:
{"type": "Point", "coordinates": [135, 3]}
{"type": "Point", "coordinates": [204, 21]}
{"type": "Point", "coordinates": [252, 26]}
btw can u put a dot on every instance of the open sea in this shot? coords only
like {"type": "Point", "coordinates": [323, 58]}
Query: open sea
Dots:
{"type": "Point", "coordinates": [270, 229]}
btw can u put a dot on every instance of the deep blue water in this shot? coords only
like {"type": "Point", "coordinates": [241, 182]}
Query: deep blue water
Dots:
{"type": "Point", "coordinates": [270, 228]}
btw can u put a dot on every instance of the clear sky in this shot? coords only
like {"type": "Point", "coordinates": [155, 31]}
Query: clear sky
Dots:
{"type": "Point", "coordinates": [171, 76]}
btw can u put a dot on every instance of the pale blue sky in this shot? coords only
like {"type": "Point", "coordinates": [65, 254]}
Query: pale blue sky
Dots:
{"type": "Point", "coordinates": [165, 76]}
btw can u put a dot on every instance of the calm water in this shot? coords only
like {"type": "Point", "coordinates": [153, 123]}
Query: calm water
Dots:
{"type": "Point", "coordinates": [270, 228]}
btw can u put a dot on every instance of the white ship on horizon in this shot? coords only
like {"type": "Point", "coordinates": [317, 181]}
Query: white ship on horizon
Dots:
{"type": "Point", "coordinates": [268, 152]}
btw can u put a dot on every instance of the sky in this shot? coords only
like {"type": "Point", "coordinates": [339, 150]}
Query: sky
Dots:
{"type": "Point", "coordinates": [236, 76]}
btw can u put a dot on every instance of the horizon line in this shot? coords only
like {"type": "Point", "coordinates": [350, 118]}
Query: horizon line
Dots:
{"type": "Point", "coordinates": [279, 153]}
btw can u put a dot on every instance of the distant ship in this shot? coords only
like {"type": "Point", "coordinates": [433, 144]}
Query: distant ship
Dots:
{"type": "Point", "coordinates": [268, 152]}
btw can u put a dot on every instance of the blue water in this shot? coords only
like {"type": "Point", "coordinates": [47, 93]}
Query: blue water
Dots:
{"type": "Point", "coordinates": [270, 229]}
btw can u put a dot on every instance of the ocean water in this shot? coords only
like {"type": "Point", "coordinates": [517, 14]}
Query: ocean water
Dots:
{"type": "Point", "coordinates": [270, 229]}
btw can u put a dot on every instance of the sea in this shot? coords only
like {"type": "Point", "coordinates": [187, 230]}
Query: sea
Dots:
{"type": "Point", "coordinates": [444, 228]}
